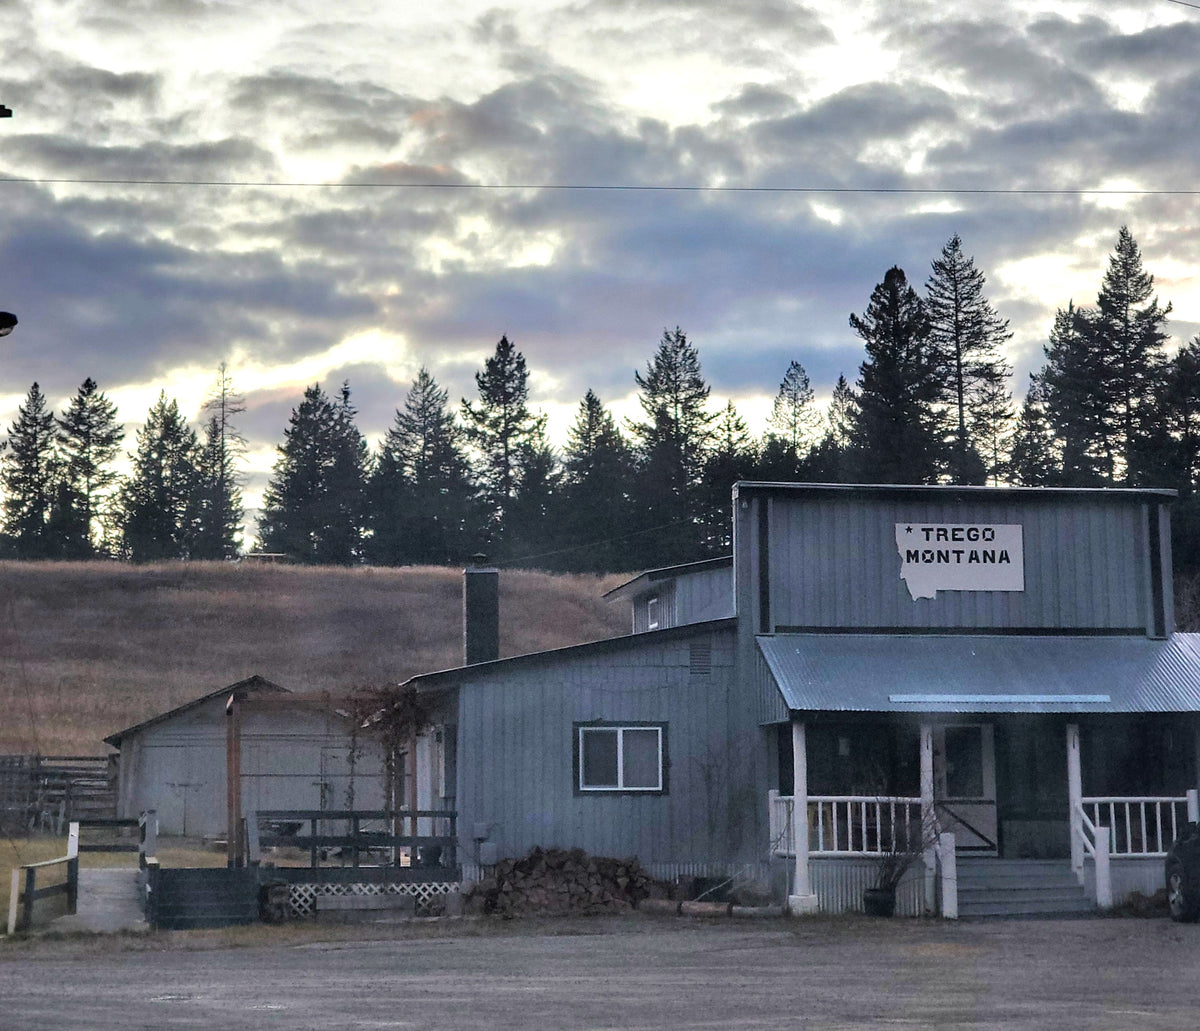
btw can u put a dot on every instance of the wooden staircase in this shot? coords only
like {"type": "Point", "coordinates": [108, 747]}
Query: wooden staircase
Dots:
{"type": "Point", "coordinates": [1019, 888]}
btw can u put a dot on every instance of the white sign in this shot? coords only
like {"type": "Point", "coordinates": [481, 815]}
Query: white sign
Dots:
{"type": "Point", "coordinates": [960, 557]}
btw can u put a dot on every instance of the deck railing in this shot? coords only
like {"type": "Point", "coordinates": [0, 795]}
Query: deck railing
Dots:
{"type": "Point", "coordinates": [845, 825]}
{"type": "Point", "coordinates": [424, 837]}
{"type": "Point", "coordinates": [1142, 825]}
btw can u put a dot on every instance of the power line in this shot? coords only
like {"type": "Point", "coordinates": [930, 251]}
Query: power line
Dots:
{"type": "Point", "coordinates": [623, 187]}
{"type": "Point", "coordinates": [1184, 3]}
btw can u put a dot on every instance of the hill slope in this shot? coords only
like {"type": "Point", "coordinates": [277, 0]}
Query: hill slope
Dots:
{"type": "Point", "coordinates": [90, 648]}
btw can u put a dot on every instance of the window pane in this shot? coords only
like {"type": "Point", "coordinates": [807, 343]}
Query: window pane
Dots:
{"type": "Point", "coordinates": [598, 758]}
{"type": "Point", "coordinates": [964, 762]}
{"type": "Point", "coordinates": [641, 759]}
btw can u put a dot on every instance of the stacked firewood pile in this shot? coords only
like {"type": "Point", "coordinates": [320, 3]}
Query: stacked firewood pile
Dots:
{"type": "Point", "coordinates": [555, 880]}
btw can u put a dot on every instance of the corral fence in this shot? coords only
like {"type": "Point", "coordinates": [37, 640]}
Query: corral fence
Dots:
{"type": "Point", "coordinates": [44, 793]}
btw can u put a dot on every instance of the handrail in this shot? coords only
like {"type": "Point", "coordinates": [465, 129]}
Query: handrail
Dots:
{"type": "Point", "coordinates": [20, 903]}
{"type": "Point", "coordinates": [845, 825]}
{"type": "Point", "coordinates": [1139, 824]}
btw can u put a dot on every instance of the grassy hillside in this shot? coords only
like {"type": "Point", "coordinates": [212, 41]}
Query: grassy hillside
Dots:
{"type": "Point", "coordinates": [89, 648]}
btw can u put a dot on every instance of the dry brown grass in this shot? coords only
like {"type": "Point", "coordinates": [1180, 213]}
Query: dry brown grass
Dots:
{"type": "Point", "coordinates": [87, 649]}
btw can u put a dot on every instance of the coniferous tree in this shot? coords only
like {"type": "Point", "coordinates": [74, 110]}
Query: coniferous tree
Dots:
{"type": "Point", "coordinates": [897, 434]}
{"type": "Point", "coordinates": [88, 441]}
{"type": "Point", "coordinates": [1084, 448]}
{"type": "Point", "coordinates": [507, 436]}
{"type": "Point", "coordinates": [29, 476]}
{"type": "Point", "coordinates": [991, 418]}
{"type": "Point", "coordinates": [832, 460]}
{"type": "Point", "coordinates": [1032, 458]}
{"type": "Point", "coordinates": [220, 485]}
{"type": "Point", "coordinates": [422, 499]}
{"type": "Point", "coordinates": [314, 505]}
{"type": "Point", "coordinates": [671, 445]}
{"type": "Point", "coordinates": [1129, 338]}
{"type": "Point", "coordinates": [732, 456]}
{"type": "Point", "coordinates": [596, 502]}
{"type": "Point", "coordinates": [791, 428]}
{"type": "Point", "coordinates": [966, 337]}
{"type": "Point", "coordinates": [159, 504]}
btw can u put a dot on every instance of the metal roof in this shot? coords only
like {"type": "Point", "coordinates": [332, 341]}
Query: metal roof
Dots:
{"type": "Point", "coordinates": [946, 491]}
{"type": "Point", "coordinates": [984, 673]}
{"type": "Point", "coordinates": [254, 683]}
{"type": "Point", "coordinates": [650, 576]}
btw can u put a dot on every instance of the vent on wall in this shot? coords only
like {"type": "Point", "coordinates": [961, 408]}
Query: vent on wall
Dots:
{"type": "Point", "coordinates": [700, 658]}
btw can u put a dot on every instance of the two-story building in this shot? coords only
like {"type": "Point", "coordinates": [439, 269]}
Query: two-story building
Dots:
{"type": "Point", "coordinates": [1000, 660]}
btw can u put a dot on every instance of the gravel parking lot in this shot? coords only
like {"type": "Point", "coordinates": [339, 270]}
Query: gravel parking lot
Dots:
{"type": "Point", "coordinates": [632, 972]}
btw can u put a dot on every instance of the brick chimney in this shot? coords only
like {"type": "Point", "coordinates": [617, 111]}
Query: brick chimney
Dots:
{"type": "Point", "coordinates": [481, 612]}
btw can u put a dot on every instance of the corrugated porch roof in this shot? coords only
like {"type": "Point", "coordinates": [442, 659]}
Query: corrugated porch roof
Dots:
{"type": "Point", "coordinates": [984, 673]}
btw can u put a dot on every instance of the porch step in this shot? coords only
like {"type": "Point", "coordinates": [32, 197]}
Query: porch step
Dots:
{"type": "Point", "coordinates": [1019, 887]}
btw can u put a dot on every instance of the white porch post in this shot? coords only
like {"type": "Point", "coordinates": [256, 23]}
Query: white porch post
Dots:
{"type": "Point", "coordinates": [802, 900]}
{"type": "Point", "coordinates": [1193, 805]}
{"type": "Point", "coordinates": [946, 855]}
{"type": "Point", "coordinates": [927, 814]}
{"type": "Point", "coordinates": [1075, 799]}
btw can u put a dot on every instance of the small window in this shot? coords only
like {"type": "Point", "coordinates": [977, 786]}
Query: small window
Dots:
{"type": "Point", "coordinates": [652, 614]}
{"type": "Point", "coordinates": [621, 758]}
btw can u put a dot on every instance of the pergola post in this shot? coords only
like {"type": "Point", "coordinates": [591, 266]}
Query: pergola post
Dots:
{"type": "Point", "coordinates": [802, 899]}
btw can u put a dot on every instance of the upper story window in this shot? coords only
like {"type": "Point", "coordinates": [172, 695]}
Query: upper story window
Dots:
{"type": "Point", "coordinates": [614, 757]}
{"type": "Point", "coordinates": [652, 613]}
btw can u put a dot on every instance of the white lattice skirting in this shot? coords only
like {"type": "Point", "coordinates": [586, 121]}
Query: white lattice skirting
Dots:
{"type": "Point", "coordinates": [303, 897]}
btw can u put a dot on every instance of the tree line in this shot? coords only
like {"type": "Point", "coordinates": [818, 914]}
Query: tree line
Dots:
{"type": "Point", "coordinates": [932, 403]}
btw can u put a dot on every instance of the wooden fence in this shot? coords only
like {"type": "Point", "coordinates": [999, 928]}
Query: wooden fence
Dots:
{"type": "Point", "coordinates": [46, 792]}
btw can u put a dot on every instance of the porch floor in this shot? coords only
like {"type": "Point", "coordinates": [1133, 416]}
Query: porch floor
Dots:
{"type": "Point", "coordinates": [1019, 887]}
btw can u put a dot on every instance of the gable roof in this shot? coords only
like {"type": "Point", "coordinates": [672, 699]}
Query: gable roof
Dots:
{"type": "Point", "coordinates": [984, 673]}
{"type": "Point", "coordinates": [242, 687]}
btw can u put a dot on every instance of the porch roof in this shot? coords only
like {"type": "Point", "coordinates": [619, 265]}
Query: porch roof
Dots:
{"type": "Point", "coordinates": [984, 673]}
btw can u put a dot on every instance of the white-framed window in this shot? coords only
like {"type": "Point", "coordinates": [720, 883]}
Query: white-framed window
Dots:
{"type": "Point", "coordinates": [628, 757]}
{"type": "Point", "coordinates": [652, 614]}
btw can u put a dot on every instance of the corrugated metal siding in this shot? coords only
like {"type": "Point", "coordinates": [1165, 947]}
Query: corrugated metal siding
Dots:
{"type": "Point", "coordinates": [665, 595]}
{"type": "Point", "coordinates": [704, 595]}
{"type": "Point", "coordinates": [834, 563]}
{"type": "Point", "coordinates": [1144, 876]}
{"type": "Point", "coordinates": [839, 885]}
{"type": "Point", "coordinates": [771, 707]}
{"type": "Point", "coordinates": [859, 672]}
{"type": "Point", "coordinates": [516, 752]}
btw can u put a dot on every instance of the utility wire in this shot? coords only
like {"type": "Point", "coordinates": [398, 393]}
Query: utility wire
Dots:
{"type": "Point", "coordinates": [619, 187]}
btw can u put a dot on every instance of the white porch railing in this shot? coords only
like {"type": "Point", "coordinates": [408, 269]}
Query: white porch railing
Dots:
{"type": "Point", "coordinates": [1096, 840]}
{"type": "Point", "coordinates": [1142, 825]}
{"type": "Point", "coordinates": [844, 825]}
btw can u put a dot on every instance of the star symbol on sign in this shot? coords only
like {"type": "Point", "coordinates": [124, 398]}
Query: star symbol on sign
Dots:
{"type": "Point", "coordinates": [908, 529]}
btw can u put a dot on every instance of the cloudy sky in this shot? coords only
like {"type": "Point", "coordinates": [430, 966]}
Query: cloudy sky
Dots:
{"type": "Point", "coordinates": [315, 192]}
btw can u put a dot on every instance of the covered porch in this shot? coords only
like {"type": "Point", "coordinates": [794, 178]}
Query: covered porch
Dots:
{"type": "Point", "coordinates": [1058, 785]}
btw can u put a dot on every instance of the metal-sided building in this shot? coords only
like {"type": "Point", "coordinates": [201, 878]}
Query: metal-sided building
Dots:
{"type": "Point", "coordinates": [292, 756]}
{"type": "Point", "coordinates": [1000, 659]}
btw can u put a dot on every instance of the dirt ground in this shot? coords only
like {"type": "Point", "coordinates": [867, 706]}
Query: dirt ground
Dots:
{"type": "Point", "coordinates": [628, 972]}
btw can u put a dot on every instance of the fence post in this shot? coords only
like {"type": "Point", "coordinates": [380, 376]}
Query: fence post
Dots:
{"type": "Point", "coordinates": [13, 897]}
{"type": "Point", "coordinates": [27, 907]}
{"type": "Point", "coordinates": [149, 833]}
{"type": "Point", "coordinates": [1104, 895]}
{"type": "Point", "coordinates": [946, 856]}
{"type": "Point", "coordinates": [1193, 805]}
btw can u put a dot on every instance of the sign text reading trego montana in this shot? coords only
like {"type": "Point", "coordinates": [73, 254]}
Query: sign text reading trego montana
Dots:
{"type": "Point", "coordinates": [960, 557]}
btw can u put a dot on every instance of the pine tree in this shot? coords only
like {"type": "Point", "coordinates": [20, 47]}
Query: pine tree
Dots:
{"type": "Point", "coordinates": [1129, 334]}
{"type": "Point", "coordinates": [1085, 448]}
{"type": "Point", "coordinates": [314, 506]}
{"type": "Point", "coordinates": [671, 445]}
{"type": "Point", "coordinates": [505, 433]}
{"type": "Point", "coordinates": [160, 503]}
{"type": "Point", "coordinates": [29, 476]}
{"type": "Point", "coordinates": [89, 439]}
{"type": "Point", "coordinates": [1032, 458]}
{"type": "Point", "coordinates": [421, 495]}
{"type": "Point", "coordinates": [897, 432]}
{"type": "Point", "coordinates": [832, 460]}
{"type": "Point", "coordinates": [220, 485]}
{"type": "Point", "coordinates": [792, 426]}
{"type": "Point", "coordinates": [966, 337]}
{"type": "Point", "coordinates": [991, 419]}
{"type": "Point", "coordinates": [731, 457]}
{"type": "Point", "coordinates": [596, 507]}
